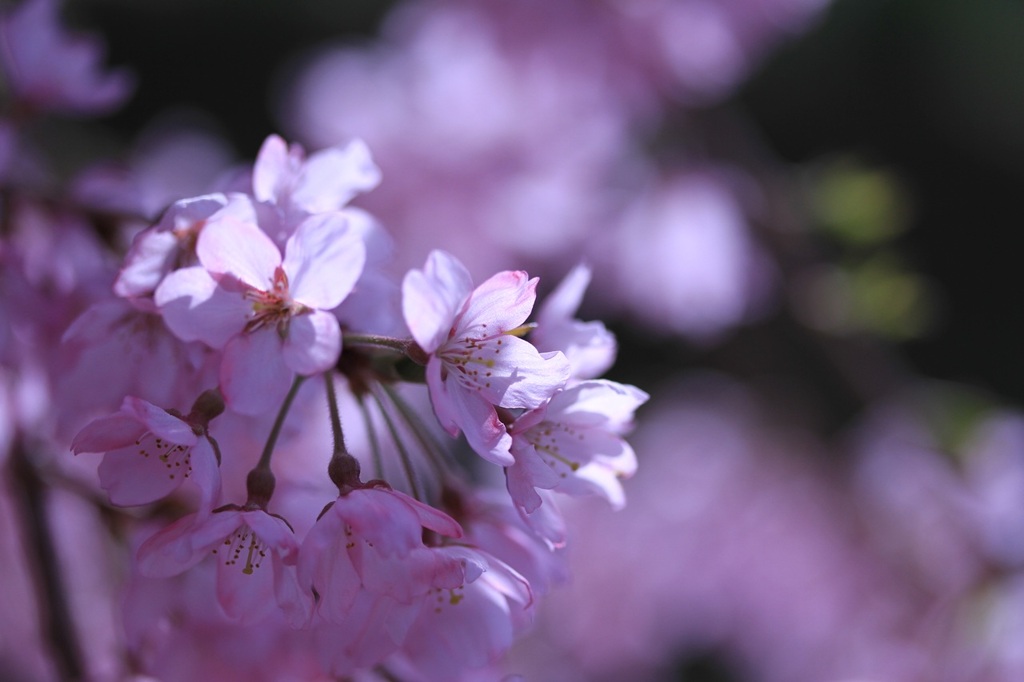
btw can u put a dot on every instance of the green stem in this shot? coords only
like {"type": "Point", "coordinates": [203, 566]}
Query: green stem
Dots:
{"type": "Point", "coordinates": [275, 431]}
{"type": "Point", "coordinates": [371, 435]}
{"type": "Point", "coordinates": [426, 439]}
{"type": "Point", "coordinates": [403, 454]}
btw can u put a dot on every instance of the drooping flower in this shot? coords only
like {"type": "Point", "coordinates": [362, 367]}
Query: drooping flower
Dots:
{"type": "Point", "coordinates": [574, 444]}
{"type": "Point", "coordinates": [149, 452]}
{"type": "Point", "coordinates": [467, 627]}
{"type": "Point", "coordinates": [371, 540]}
{"type": "Point", "coordinates": [477, 362]}
{"type": "Point", "coordinates": [269, 313]}
{"type": "Point", "coordinates": [243, 540]}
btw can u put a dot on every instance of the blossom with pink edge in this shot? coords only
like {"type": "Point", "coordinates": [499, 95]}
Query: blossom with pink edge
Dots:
{"type": "Point", "coordinates": [269, 313]}
{"type": "Point", "coordinates": [371, 540]}
{"type": "Point", "coordinates": [149, 452]}
{"type": "Point", "coordinates": [242, 540]}
{"type": "Point", "coordinates": [477, 362]}
{"type": "Point", "coordinates": [573, 444]}
{"type": "Point", "coordinates": [50, 69]}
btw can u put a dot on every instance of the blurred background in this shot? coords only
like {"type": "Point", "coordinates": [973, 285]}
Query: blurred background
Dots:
{"type": "Point", "coordinates": [800, 217]}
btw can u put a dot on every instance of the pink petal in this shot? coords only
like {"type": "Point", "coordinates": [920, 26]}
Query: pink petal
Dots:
{"type": "Point", "coordinates": [565, 300]}
{"type": "Point", "coordinates": [274, 532]}
{"type": "Point", "coordinates": [431, 298]}
{"type": "Point", "coordinates": [444, 408]}
{"type": "Point", "coordinates": [612, 403]}
{"type": "Point", "coordinates": [596, 478]}
{"type": "Point", "coordinates": [272, 172]}
{"type": "Point", "coordinates": [327, 568]}
{"type": "Point", "coordinates": [480, 424]}
{"type": "Point", "coordinates": [431, 518]}
{"type": "Point", "coordinates": [313, 344]}
{"type": "Point", "coordinates": [253, 375]}
{"type": "Point", "coordinates": [529, 472]}
{"type": "Point", "coordinates": [206, 475]}
{"type": "Point", "coordinates": [382, 519]}
{"type": "Point", "coordinates": [107, 433]}
{"type": "Point", "coordinates": [502, 303]}
{"type": "Point", "coordinates": [159, 421]}
{"type": "Point", "coordinates": [246, 598]}
{"type": "Point", "coordinates": [131, 479]}
{"type": "Point", "coordinates": [513, 374]}
{"type": "Point", "coordinates": [151, 257]}
{"type": "Point", "coordinates": [242, 250]}
{"type": "Point", "coordinates": [159, 249]}
{"type": "Point", "coordinates": [332, 177]}
{"type": "Point", "coordinates": [185, 543]}
{"type": "Point", "coordinates": [195, 308]}
{"type": "Point", "coordinates": [323, 260]}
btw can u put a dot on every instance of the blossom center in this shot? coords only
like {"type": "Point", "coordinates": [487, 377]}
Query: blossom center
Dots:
{"type": "Point", "coordinates": [274, 307]}
{"type": "Point", "coordinates": [473, 358]}
{"type": "Point", "coordinates": [175, 457]}
{"type": "Point", "coordinates": [545, 439]}
{"type": "Point", "coordinates": [243, 541]}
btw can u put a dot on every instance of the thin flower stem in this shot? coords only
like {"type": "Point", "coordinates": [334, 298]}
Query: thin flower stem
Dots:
{"type": "Point", "coordinates": [268, 449]}
{"type": "Point", "coordinates": [371, 435]}
{"type": "Point", "coordinates": [332, 407]}
{"type": "Point", "coordinates": [426, 439]}
{"type": "Point", "coordinates": [403, 454]}
{"type": "Point", "coordinates": [390, 342]}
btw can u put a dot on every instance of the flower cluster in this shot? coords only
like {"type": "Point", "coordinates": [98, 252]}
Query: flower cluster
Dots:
{"type": "Point", "coordinates": [248, 288]}
{"type": "Point", "coordinates": [265, 353]}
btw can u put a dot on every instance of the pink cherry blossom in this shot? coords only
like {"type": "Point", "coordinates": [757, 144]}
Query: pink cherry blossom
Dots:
{"type": "Point", "coordinates": [469, 626]}
{"type": "Point", "coordinates": [476, 361]}
{"type": "Point", "coordinates": [50, 69]}
{"type": "Point", "coordinates": [298, 186]}
{"type": "Point", "coordinates": [269, 313]}
{"type": "Point", "coordinates": [371, 539]}
{"type": "Point", "coordinates": [149, 452]}
{"type": "Point", "coordinates": [171, 243]}
{"type": "Point", "coordinates": [242, 540]}
{"type": "Point", "coordinates": [494, 525]}
{"type": "Point", "coordinates": [574, 445]}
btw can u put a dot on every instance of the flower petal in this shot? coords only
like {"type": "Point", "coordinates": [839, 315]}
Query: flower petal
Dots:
{"type": "Point", "coordinates": [195, 308]}
{"type": "Point", "coordinates": [323, 260]}
{"type": "Point", "coordinates": [313, 344]}
{"type": "Point", "coordinates": [228, 246]}
{"type": "Point", "coordinates": [185, 543]}
{"type": "Point", "coordinates": [253, 375]}
{"type": "Point", "coordinates": [432, 297]}
{"type": "Point", "coordinates": [107, 433]}
{"type": "Point", "coordinates": [331, 177]}
{"type": "Point", "coordinates": [479, 422]}
{"type": "Point", "coordinates": [502, 303]}
{"type": "Point", "coordinates": [131, 478]}
{"type": "Point", "coordinates": [159, 421]}
{"type": "Point", "coordinates": [272, 172]}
